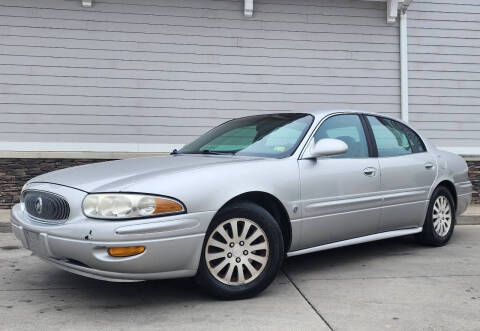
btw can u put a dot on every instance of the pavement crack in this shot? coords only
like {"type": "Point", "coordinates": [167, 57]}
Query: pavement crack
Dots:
{"type": "Point", "coordinates": [386, 277]}
{"type": "Point", "coordinates": [308, 301]}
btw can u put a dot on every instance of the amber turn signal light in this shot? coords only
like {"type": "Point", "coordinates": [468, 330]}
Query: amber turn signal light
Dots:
{"type": "Point", "coordinates": [163, 206]}
{"type": "Point", "coordinates": [125, 251]}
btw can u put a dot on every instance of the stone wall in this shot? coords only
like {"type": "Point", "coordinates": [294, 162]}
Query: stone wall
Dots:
{"type": "Point", "coordinates": [474, 167]}
{"type": "Point", "coordinates": [14, 172]}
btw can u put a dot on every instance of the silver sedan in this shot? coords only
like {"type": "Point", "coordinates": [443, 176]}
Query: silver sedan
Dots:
{"type": "Point", "coordinates": [228, 207]}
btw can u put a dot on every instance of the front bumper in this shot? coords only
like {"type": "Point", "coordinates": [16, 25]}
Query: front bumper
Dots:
{"type": "Point", "coordinates": [173, 245]}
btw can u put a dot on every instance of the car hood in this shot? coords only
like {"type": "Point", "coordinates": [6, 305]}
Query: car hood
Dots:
{"type": "Point", "coordinates": [118, 175]}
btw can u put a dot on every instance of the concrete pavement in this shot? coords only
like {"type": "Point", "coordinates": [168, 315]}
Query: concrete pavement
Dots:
{"type": "Point", "coordinates": [34, 295]}
{"type": "Point", "coordinates": [389, 285]}
{"type": "Point", "coordinates": [471, 215]}
{"type": "Point", "coordinates": [396, 284]}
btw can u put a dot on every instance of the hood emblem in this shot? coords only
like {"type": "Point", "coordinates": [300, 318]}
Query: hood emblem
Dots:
{"type": "Point", "coordinates": [38, 205]}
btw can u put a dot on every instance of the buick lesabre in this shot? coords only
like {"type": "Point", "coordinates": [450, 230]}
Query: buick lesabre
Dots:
{"type": "Point", "coordinates": [228, 207]}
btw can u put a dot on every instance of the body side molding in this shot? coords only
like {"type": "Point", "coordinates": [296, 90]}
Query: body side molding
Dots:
{"type": "Point", "coordinates": [355, 241]}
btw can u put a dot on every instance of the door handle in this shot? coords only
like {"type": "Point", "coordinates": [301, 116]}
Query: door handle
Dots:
{"type": "Point", "coordinates": [370, 171]}
{"type": "Point", "coordinates": [428, 165]}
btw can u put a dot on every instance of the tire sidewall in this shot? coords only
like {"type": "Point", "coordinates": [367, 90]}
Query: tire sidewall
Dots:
{"type": "Point", "coordinates": [428, 228]}
{"type": "Point", "coordinates": [272, 230]}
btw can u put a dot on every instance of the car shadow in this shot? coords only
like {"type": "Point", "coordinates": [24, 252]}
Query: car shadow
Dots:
{"type": "Point", "coordinates": [118, 295]}
{"type": "Point", "coordinates": [353, 255]}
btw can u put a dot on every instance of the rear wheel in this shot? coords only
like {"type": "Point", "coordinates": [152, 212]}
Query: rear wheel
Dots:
{"type": "Point", "coordinates": [242, 252]}
{"type": "Point", "coordinates": [440, 220]}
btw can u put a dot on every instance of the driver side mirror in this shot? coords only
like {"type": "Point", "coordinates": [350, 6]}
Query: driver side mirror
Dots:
{"type": "Point", "coordinates": [327, 147]}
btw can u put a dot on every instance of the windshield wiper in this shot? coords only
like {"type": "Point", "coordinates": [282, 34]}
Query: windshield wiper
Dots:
{"type": "Point", "coordinates": [206, 151]}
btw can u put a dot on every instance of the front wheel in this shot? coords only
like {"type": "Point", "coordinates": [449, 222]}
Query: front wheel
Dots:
{"type": "Point", "coordinates": [440, 220]}
{"type": "Point", "coordinates": [242, 252]}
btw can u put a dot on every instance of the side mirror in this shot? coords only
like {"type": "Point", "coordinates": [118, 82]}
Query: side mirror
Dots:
{"type": "Point", "coordinates": [327, 147]}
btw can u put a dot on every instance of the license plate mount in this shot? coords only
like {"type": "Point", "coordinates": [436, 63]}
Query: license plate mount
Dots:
{"type": "Point", "coordinates": [33, 241]}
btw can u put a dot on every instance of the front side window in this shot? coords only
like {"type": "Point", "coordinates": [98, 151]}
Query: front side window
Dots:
{"type": "Point", "coordinates": [349, 129]}
{"type": "Point", "coordinates": [394, 138]}
{"type": "Point", "coordinates": [274, 136]}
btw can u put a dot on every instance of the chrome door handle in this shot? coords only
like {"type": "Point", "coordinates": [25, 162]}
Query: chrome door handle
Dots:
{"type": "Point", "coordinates": [370, 172]}
{"type": "Point", "coordinates": [428, 165]}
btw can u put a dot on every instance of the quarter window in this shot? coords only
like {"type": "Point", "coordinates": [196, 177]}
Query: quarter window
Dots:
{"type": "Point", "coordinates": [349, 129]}
{"type": "Point", "coordinates": [394, 138]}
{"type": "Point", "coordinates": [415, 141]}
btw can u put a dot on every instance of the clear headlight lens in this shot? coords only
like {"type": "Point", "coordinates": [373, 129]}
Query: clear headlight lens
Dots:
{"type": "Point", "coordinates": [127, 206]}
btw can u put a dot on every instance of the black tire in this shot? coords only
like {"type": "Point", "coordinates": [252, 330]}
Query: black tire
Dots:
{"type": "Point", "coordinates": [266, 222]}
{"type": "Point", "coordinates": [429, 236]}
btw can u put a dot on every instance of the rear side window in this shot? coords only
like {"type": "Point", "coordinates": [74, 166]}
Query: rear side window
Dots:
{"type": "Point", "coordinates": [347, 128]}
{"type": "Point", "coordinates": [394, 138]}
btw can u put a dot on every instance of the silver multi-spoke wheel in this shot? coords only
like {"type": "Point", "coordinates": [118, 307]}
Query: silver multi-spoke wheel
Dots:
{"type": "Point", "coordinates": [237, 251]}
{"type": "Point", "coordinates": [442, 216]}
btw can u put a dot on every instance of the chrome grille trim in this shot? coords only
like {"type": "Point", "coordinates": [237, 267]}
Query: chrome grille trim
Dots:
{"type": "Point", "coordinates": [45, 207]}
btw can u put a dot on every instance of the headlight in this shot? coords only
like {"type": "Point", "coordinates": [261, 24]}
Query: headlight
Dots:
{"type": "Point", "coordinates": [128, 206]}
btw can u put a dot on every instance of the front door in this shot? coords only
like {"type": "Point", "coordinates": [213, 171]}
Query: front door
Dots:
{"type": "Point", "coordinates": [340, 194]}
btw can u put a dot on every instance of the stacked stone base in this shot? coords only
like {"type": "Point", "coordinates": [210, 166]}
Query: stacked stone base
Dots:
{"type": "Point", "coordinates": [474, 169]}
{"type": "Point", "coordinates": [14, 172]}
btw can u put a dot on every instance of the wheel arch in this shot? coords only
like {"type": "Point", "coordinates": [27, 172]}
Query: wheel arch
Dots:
{"type": "Point", "coordinates": [273, 205]}
{"type": "Point", "coordinates": [450, 186]}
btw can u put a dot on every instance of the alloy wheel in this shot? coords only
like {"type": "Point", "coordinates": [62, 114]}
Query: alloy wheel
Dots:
{"type": "Point", "coordinates": [237, 251]}
{"type": "Point", "coordinates": [442, 216]}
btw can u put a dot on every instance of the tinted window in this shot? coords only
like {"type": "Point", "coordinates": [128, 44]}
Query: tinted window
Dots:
{"type": "Point", "coordinates": [349, 129]}
{"type": "Point", "coordinates": [275, 136]}
{"type": "Point", "coordinates": [393, 138]}
{"type": "Point", "coordinates": [235, 139]}
{"type": "Point", "coordinates": [415, 141]}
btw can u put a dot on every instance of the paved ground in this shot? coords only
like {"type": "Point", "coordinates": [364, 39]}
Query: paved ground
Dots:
{"type": "Point", "coordinates": [389, 285]}
{"type": "Point", "coordinates": [471, 215]}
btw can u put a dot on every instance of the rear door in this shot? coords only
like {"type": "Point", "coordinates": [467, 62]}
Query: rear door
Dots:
{"type": "Point", "coordinates": [408, 172]}
{"type": "Point", "coordinates": [340, 194]}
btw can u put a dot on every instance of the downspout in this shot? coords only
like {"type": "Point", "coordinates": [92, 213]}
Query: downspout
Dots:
{"type": "Point", "coordinates": [404, 65]}
{"type": "Point", "coordinates": [404, 61]}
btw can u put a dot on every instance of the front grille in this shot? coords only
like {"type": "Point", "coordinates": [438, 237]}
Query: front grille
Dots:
{"type": "Point", "coordinates": [46, 207]}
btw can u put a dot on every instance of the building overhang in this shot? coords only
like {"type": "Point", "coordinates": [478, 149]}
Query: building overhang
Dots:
{"type": "Point", "coordinates": [393, 7]}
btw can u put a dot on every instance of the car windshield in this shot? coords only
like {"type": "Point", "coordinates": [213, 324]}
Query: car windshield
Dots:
{"type": "Point", "coordinates": [275, 136]}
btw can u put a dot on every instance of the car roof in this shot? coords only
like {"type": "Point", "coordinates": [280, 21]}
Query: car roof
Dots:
{"type": "Point", "coordinates": [335, 111]}
{"type": "Point", "coordinates": [320, 114]}
{"type": "Point", "coordinates": [325, 112]}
